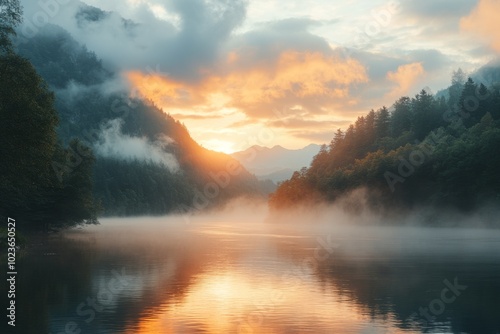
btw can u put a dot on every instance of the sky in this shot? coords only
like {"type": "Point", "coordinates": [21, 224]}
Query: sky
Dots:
{"type": "Point", "coordinates": [265, 72]}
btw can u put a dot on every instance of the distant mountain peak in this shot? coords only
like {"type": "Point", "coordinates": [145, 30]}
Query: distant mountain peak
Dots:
{"type": "Point", "coordinates": [276, 162]}
{"type": "Point", "coordinates": [278, 147]}
{"type": "Point", "coordinates": [257, 147]}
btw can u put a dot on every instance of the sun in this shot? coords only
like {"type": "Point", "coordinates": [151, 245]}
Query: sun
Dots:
{"type": "Point", "coordinates": [218, 145]}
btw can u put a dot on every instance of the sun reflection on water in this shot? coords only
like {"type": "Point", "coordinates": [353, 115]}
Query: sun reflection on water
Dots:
{"type": "Point", "coordinates": [238, 302]}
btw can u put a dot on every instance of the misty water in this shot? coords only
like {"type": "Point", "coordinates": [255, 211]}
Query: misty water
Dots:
{"type": "Point", "coordinates": [225, 274]}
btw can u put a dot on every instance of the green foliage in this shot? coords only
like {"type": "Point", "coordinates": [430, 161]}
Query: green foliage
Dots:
{"type": "Point", "coordinates": [10, 16]}
{"type": "Point", "coordinates": [382, 122]}
{"type": "Point", "coordinates": [60, 60]}
{"type": "Point", "coordinates": [73, 191]}
{"type": "Point", "coordinates": [27, 130]}
{"type": "Point", "coordinates": [426, 115]}
{"type": "Point", "coordinates": [134, 188]}
{"type": "Point", "coordinates": [458, 79]}
{"type": "Point", "coordinates": [401, 120]}
{"type": "Point", "coordinates": [29, 188]}
{"type": "Point", "coordinates": [412, 156]}
{"type": "Point", "coordinates": [466, 165]}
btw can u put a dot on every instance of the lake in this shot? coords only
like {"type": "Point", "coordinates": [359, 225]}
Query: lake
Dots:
{"type": "Point", "coordinates": [224, 275]}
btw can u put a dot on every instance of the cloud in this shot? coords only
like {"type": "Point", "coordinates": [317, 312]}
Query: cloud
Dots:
{"type": "Point", "coordinates": [205, 26]}
{"type": "Point", "coordinates": [114, 144]}
{"type": "Point", "coordinates": [166, 91]}
{"type": "Point", "coordinates": [438, 9]}
{"type": "Point", "coordinates": [311, 80]}
{"type": "Point", "coordinates": [437, 25]}
{"type": "Point", "coordinates": [267, 41]}
{"type": "Point", "coordinates": [297, 123]}
{"type": "Point", "coordinates": [430, 59]}
{"type": "Point", "coordinates": [194, 116]}
{"type": "Point", "coordinates": [212, 64]}
{"type": "Point", "coordinates": [187, 57]}
{"type": "Point", "coordinates": [317, 136]}
{"type": "Point", "coordinates": [484, 22]}
{"type": "Point", "coordinates": [186, 54]}
{"type": "Point", "coordinates": [379, 90]}
{"type": "Point", "coordinates": [182, 37]}
{"type": "Point", "coordinates": [405, 77]}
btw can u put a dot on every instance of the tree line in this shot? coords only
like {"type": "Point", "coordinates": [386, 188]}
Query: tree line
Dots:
{"type": "Point", "coordinates": [30, 191]}
{"type": "Point", "coordinates": [435, 151]}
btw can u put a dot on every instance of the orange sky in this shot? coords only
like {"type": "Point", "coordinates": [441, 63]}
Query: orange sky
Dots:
{"type": "Point", "coordinates": [223, 111]}
{"type": "Point", "coordinates": [267, 73]}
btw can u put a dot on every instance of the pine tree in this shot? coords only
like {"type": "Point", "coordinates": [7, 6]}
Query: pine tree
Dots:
{"type": "Point", "coordinates": [10, 17]}
{"type": "Point", "coordinates": [424, 114]}
{"type": "Point", "coordinates": [382, 122]}
{"type": "Point", "coordinates": [370, 126]}
{"type": "Point", "coordinates": [337, 140]}
{"type": "Point", "coordinates": [401, 117]}
{"type": "Point", "coordinates": [475, 101]}
{"type": "Point", "coordinates": [458, 79]}
{"type": "Point", "coordinates": [28, 137]}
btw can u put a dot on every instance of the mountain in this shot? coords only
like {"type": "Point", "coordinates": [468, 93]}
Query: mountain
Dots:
{"type": "Point", "coordinates": [146, 161]}
{"type": "Point", "coordinates": [278, 176]}
{"type": "Point", "coordinates": [276, 163]}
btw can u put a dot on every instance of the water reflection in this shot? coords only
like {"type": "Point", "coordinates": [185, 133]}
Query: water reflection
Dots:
{"type": "Point", "coordinates": [257, 278]}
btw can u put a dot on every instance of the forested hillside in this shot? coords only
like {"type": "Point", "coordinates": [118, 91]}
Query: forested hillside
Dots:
{"type": "Point", "coordinates": [426, 151]}
{"type": "Point", "coordinates": [172, 173]}
{"type": "Point", "coordinates": [124, 155]}
{"type": "Point", "coordinates": [30, 191]}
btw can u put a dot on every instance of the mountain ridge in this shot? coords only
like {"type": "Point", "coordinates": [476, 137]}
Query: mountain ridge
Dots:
{"type": "Point", "coordinates": [89, 112]}
{"type": "Point", "coordinates": [272, 162]}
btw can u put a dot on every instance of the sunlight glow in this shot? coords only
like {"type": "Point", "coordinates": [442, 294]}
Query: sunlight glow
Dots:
{"type": "Point", "coordinates": [219, 146]}
{"type": "Point", "coordinates": [214, 301]}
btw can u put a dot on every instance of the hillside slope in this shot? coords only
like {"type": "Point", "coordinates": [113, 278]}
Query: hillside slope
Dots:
{"type": "Point", "coordinates": [147, 163]}
{"type": "Point", "coordinates": [428, 152]}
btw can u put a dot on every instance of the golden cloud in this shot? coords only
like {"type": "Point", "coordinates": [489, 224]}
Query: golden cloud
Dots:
{"type": "Point", "coordinates": [484, 22]}
{"type": "Point", "coordinates": [405, 76]}
{"type": "Point", "coordinates": [295, 78]}
{"type": "Point", "coordinates": [164, 91]}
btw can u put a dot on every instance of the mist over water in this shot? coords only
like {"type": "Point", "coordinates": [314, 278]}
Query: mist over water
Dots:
{"type": "Point", "coordinates": [244, 270]}
{"type": "Point", "coordinates": [125, 107]}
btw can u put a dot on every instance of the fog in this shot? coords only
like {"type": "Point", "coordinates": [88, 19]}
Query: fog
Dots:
{"type": "Point", "coordinates": [359, 236]}
{"type": "Point", "coordinates": [218, 271]}
{"type": "Point", "coordinates": [183, 44]}
{"type": "Point", "coordinates": [113, 143]}
{"type": "Point", "coordinates": [208, 268]}
{"type": "Point", "coordinates": [74, 90]}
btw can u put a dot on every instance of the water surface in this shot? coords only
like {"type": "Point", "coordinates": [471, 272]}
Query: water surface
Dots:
{"type": "Point", "coordinates": [163, 275]}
